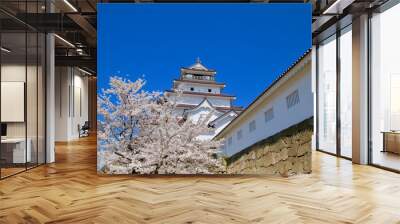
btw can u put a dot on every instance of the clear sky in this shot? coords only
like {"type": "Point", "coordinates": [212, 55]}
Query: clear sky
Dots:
{"type": "Point", "coordinates": [248, 44]}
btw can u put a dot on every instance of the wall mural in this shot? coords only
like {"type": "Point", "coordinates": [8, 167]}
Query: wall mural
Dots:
{"type": "Point", "coordinates": [171, 77]}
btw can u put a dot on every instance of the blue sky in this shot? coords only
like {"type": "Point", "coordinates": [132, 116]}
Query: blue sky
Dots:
{"type": "Point", "coordinates": [248, 44]}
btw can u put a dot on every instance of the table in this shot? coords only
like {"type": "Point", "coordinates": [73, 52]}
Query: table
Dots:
{"type": "Point", "coordinates": [13, 150]}
{"type": "Point", "coordinates": [391, 141]}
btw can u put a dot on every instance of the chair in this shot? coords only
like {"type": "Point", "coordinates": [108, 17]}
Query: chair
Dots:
{"type": "Point", "coordinates": [84, 130]}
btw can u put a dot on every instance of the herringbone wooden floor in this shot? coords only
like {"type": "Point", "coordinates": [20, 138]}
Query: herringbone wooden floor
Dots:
{"type": "Point", "coordinates": [70, 191]}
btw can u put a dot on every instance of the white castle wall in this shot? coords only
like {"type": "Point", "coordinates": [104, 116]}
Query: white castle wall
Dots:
{"type": "Point", "coordinates": [199, 88]}
{"type": "Point", "coordinates": [283, 117]}
{"type": "Point", "coordinates": [196, 100]}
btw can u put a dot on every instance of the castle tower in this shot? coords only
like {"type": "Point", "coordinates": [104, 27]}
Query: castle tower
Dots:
{"type": "Point", "coordinates": [202, 95]}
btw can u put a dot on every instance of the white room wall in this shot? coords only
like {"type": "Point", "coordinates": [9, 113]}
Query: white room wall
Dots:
{"type": "Point", "coordinates": [283, 117]}
{"type": "Point", "coordinates": [33, 126]}
{"type": "Point", "coordinates": [14, 73]}
{"type": "Point", "coordinates": [61, 103]}
{"type": "Point", "coordinates": [70, 83]}
{"type": "Point", "coordinates": [79, 118]}
{"type": "Point", "coordinates": [50, 94]}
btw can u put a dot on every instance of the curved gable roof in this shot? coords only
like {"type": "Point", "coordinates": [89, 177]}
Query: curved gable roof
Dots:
{"type": "Point", "coordinates": [280, 79]}
{"type": "Point", "coordinates": [205, 103]}
{"type": "Point", "coordinates": [223, 115]}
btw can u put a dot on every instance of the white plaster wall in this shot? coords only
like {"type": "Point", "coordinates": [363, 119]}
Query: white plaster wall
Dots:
{"type": "Point", "coordinates": [196, 100]}
{"type": "Point", "coordinates": [189, 100]}
{"type": "Point", "coordinates": [283, 117]}
{"type": "Point", "coordinates": [199, 88]}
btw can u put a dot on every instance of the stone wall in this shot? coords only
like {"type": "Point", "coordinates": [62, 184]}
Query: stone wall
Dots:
{"type": "Point", "coordinates": [286, 153]}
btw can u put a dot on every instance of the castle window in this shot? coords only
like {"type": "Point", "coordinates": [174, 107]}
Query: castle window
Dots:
{"type": "Point", "coordinates": [209, 90]}
{"type": "Point", "coordinates": [197, 77]}
{"type": "Point", "coordinates": [269, 114]}
{"type": "Point", "coordinates": [191, 89]}
{"type": "Point", "coordinates": [252, 126]}
{"type": "Point", "coordinates": [239, 134]}
{"type": "Point", "coordinates": [293, 99]}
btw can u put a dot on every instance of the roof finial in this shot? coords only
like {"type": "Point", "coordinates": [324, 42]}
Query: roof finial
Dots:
{"type": "Point", "coordinates": [198, 60]}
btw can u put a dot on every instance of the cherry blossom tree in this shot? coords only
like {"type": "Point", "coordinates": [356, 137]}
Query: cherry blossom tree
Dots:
{"type": "Point", "coordinates": [139, 133]}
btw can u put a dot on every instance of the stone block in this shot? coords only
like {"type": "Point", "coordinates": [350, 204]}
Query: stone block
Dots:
{"type": "Point", "coordinates": [292, 151]}
{"type": "Point", "coordinates": [298, 166]}
{"type": "Point", "coordinates": [286, 156]}
{"type": "Point", "coordinates": [276, 157]}
{"type": "Point", "coordinates": [260, 162]}
{"type": "Point", "coordinates": [284, 153]}
{"type": "Point", "coordinates": [303, 149]}
{"type": "Point", "coordinates": [268, 160]}
{"type": "Point", "coordinates": [252, 155]}
{"type": "Point", "coordinates": [259, 153]}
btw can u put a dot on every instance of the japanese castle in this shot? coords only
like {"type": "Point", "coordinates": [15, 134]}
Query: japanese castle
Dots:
{"type": "Point", "coordinates": [202, 95]}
